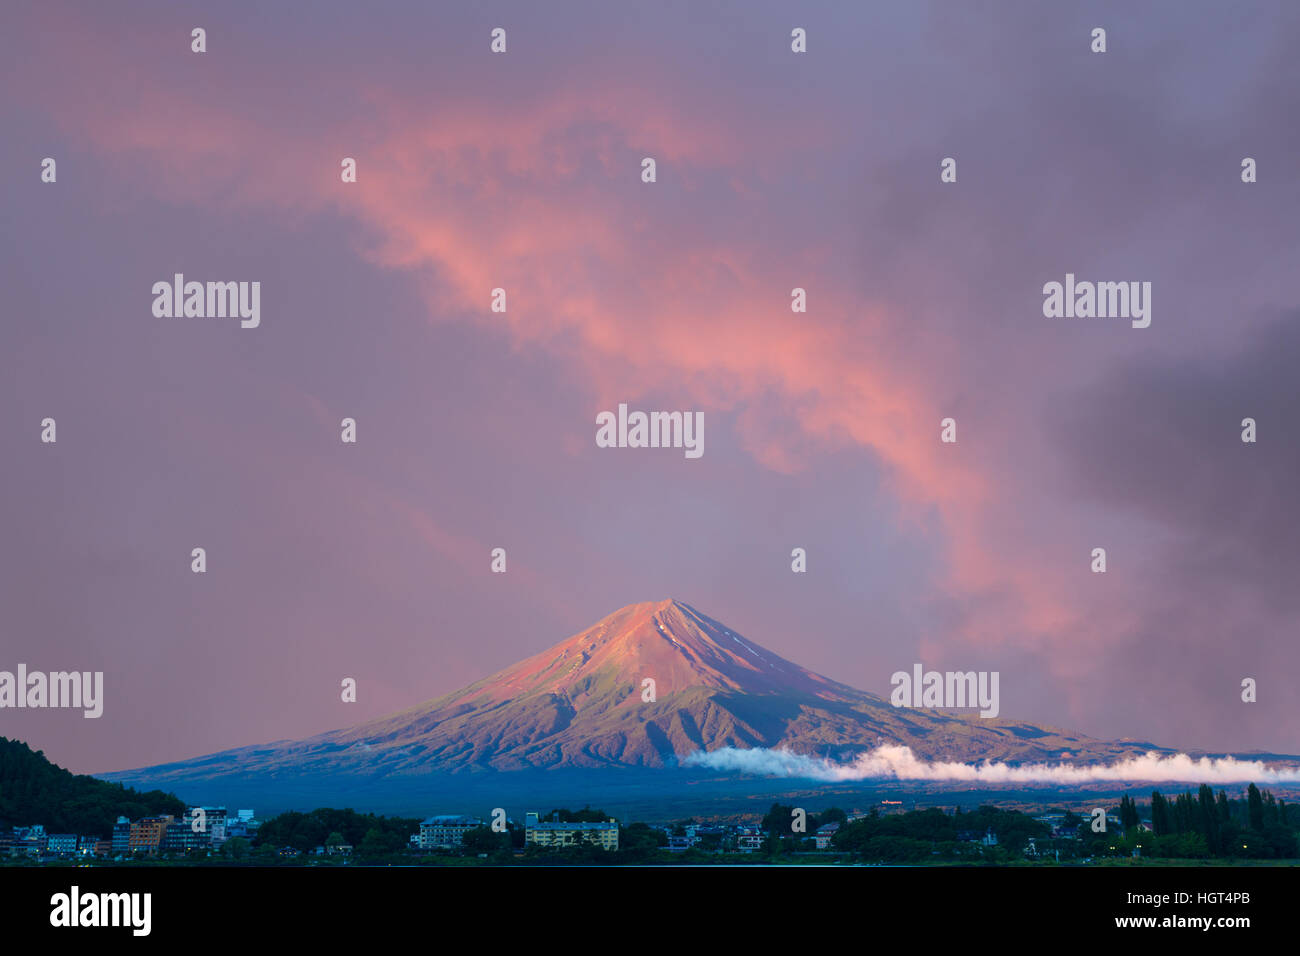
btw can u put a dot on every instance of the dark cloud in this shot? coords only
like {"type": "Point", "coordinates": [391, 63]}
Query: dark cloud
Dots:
{"type": "Point", "coordinates": [1160, 439]}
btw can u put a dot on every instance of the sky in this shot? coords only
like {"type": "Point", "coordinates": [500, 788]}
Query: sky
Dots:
{"type": "Point", "coordinates": [476, 429]}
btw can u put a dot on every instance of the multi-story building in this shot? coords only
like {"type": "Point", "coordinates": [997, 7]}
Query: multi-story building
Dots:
{"type": "Point", "coordinates": [546, 833]}
{"type": "Point", "coordinates": [61, 844]}
{"type": "Point", "coordinates": [30, 840]}
{"type": "Point", "coordinates": [86, 845]}
{"type": "Point", "coordinates": [446, 831]}
{"type": "Point", "coordinates": [180, 837]}
{"type": "Point", "coordinates": [212, 823]}
{"type": "Point", "coordinates": [147, 834]}
{"type": "Point", "coordinates": [825, 833]}
{"type": "Point", "coordinates": [121, 839]}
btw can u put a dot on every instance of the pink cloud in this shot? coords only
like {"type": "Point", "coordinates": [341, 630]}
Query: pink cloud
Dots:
{"type": "Point", "coordinates": [543, 197]}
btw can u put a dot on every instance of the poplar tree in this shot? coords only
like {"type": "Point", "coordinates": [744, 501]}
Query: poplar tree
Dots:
{"type": "Point", "coordinates": [1128, 814]}
{"type": "Point", "coordinates": [1209, 818]}
{"type": "Point", "coordinates": [1255, 808]}
{"type": "Point", "coordinates": [1159, 814]}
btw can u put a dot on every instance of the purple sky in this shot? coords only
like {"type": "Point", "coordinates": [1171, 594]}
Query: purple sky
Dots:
{"type": "Point", "coordinates": [476, 430]}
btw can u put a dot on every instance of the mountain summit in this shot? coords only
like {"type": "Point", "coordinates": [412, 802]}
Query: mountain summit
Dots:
{"type": "Point", "coordinates": [668, 641]}
{"type": "Point", "coordinates": [580, 704]}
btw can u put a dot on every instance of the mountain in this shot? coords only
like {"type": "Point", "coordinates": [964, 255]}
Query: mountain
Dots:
{"type": "Point", "coordinates": [579, 705]}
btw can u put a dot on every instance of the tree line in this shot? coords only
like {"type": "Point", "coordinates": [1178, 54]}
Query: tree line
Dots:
{"type": "Point", "coordinates": [34, 790]}
{"type": "Point", "coordinates": [1206, 824]}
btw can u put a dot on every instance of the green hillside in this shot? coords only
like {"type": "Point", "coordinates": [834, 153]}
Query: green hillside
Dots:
{"type": "Point", "coordinates": [33, 790]}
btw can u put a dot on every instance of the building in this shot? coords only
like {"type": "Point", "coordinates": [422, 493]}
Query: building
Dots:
{"type": "Point", "coordinates": [696, 836]}
{"type": "Point", "coordinates": [242, 826]}
{"type": "Point", "coordinates": [88, 845]}
{"type": "Point", "coordinates": [173, 838]}
{"type": "Point", "coordinates": [30, 840]}
{"type": "Point", "coordinates": [181, 837]}
{"type": "Point", "coordinates": [825, 833]}
{"type": "Point", "coordinates": [539, 833]}
{"type": "Point", "coordinates": [121, 839]}
{"type": "Point", "coordinates": [679, 843]}
{"type": "Point", "coordinates": [212, 823]}
{"type": "Point", "coordinates": [147, 833]}
{"type": "Point", "coordinates": [748, 839]}
{"type": "Point", "coordinates": [446, 831]}
{"type": "Point", "coordinates": [707, 836]}
{"type": "Point", "coordinates": [61, 844]}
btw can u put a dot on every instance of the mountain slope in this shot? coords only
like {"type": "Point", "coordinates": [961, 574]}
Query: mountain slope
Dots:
{"type": "Point", "coordinates": [579, 705]}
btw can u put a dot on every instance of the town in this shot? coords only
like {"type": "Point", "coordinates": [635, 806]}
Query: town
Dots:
{"type": "Point", "coordinates": [1186, 827]}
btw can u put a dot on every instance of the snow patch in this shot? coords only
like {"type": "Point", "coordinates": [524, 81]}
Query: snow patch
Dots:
{"type": "Point", "coordinates": [667, 635]}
